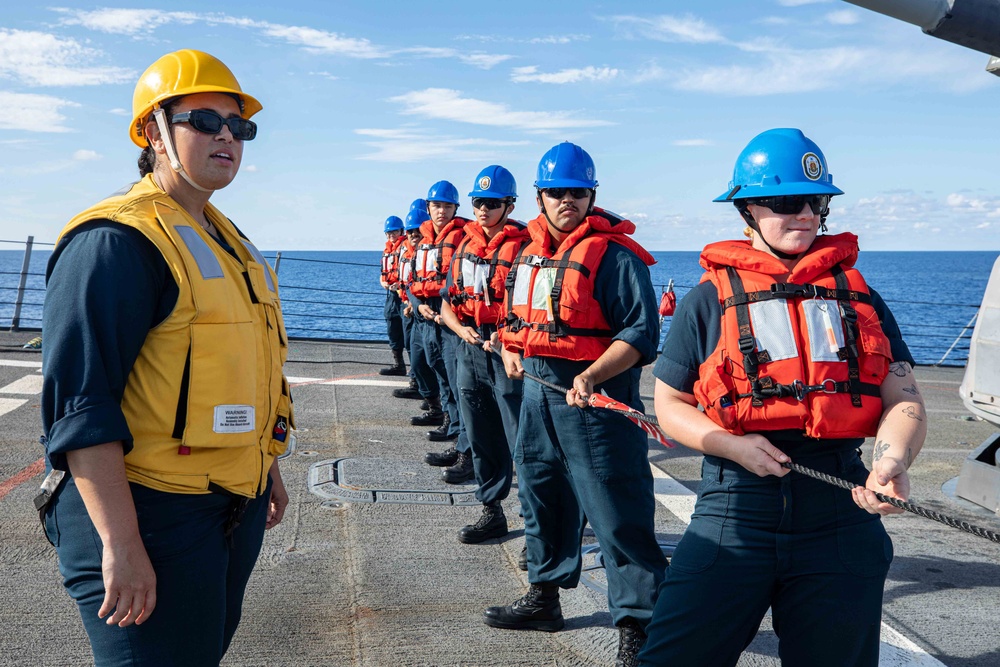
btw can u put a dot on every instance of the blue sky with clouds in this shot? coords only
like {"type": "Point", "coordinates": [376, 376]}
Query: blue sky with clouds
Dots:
{"type": "Point", "coordinates": [367, 103]}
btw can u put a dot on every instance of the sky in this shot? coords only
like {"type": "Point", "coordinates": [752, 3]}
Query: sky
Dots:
{"type": "Point", "coordinates": [366, 104]}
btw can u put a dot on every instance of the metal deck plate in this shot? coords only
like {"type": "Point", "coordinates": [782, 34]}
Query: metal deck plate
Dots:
{"type": "Point", "coordinates": [374, 480]}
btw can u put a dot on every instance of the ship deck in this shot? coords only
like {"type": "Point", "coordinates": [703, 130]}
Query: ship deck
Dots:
{"type": "Point", "coordinates": [387, 583]}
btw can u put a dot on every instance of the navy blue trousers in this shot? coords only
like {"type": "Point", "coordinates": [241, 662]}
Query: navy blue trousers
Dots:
{"type": "Point", "coordinates": [407, 338]}
{"type": "Point", "coordinates": [200, 578]}
{"type": "Point", "coordinates": [573, 463]}
{"type": "Point", "coordinates": [449, 355]}
{"type": "Point", "coordinates": [393, 313]}
{"type": "Point", "coordinates": [794, 544]}
{"type": "Point", "coordinates": [490, 403]}
{"type": "Point", "coordinates": [423, 372]}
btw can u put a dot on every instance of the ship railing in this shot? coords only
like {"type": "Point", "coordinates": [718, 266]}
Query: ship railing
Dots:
{"type": "Point", "coordinates": [25, 288]}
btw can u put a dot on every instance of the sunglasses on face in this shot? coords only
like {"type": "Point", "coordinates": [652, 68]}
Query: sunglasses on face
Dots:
{"type": "Point", "coordinates": [559, 193]}
{"type": "Point", "coordinates": [790, 204]}
{"type": "Point", "coordinates": [209, 122]}
{"type": "Point", "coordinates": [488, 203]}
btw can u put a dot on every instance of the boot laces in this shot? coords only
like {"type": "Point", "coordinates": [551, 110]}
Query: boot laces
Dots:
{"type": "Point", "coordinates": [630, 641]}
{"type": "Point", "coordinates": [489, 514]}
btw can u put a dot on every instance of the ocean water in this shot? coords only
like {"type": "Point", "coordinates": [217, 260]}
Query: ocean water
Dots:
{"type": "Point", "coordinates": [336, 295]}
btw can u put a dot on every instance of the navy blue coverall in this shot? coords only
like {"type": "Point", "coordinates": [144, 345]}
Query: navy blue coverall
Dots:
{"type": "Point", "coordinates": [593, 463]}
{"type": "Point", "coordinates": [797, 545]}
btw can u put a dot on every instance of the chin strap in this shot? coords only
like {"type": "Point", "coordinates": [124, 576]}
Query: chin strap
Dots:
{"type": "Point", "coordinates": [168, 144]}
{"type": "Point", "coordinates": [748, 218]}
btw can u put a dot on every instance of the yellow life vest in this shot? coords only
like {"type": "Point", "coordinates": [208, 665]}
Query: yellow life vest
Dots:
{"type": "Point", "coordinates": [206, 401]}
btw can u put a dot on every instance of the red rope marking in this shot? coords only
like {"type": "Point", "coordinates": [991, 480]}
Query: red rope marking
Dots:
{"type": "Point", "coordinates": [11, 483]}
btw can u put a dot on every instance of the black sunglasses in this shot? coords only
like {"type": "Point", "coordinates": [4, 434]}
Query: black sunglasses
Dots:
{"type": "Point", "coordinates": [576, 193]}
{"type": "Point", "coordinates": [209, 122]}
{"type": "Point", "coordinates": [490, 203]}
{"type": "Point", "coordinates": [790, 204]}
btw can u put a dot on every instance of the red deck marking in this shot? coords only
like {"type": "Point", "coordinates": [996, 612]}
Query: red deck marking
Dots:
{"type": "Point", "coordinates": [11, 483]}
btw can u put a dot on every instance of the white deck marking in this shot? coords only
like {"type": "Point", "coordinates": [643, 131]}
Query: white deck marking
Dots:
{"type": "Point", "coordinates": [895, 651]}
{"type": "Point", "coordinates": [360, 382]}
{"type": "Point", "coordinates": [11, 404]}
{"type": "Point", "coordinates": [20, 364]}
{"type": "Point", "coordinates": [29, 384]}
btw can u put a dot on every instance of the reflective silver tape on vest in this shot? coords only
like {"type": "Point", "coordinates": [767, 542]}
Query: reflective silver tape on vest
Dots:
{"type": "Point", "coordinates": [208, 263]}
{"type": "Point", "coordinates": [259, 258]}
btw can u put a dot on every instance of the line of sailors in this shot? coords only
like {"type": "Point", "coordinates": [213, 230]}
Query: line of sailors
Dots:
{"type": "Point", "coordinates": [568, 298]}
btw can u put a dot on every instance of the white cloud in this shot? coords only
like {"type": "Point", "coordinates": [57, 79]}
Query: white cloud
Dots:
{"type": "Point", "coordinates": [782, 70]}
{"type": "Point", "coordinates": [843, 17]}
{"type": "Point", "coordinates": [590, 73]}
{"type": "Point", "coordinates": [665, 28]}
{"type": "Point", "coordinates": [321, 41]}
{"type": "Point", "coordinates": [124, 21]}
{"type": "Point", "coordinates": [411, 145]}
{"type": "Point", "coordinates": [250, 168]}
{"type": "Point", "coordinates": [559, 39]}
{"type": "Point", "coordinates": [42, 59]}
{"type": "Point", "coordinates": [888, 216]}
{"type": "Point", "coordinates": [446, 104]}
{"type": "Point", "coordinates": [799, 3]}
{"type": "Point", "coordinates": [693, 142]}
{"type": "Point", "coordinates": [119, 111]}
{"type": "Point", "coordinates": [137, 23]}
{"type": "Point", "coordinates": [85, 155]}
{"type": "Point", "coordinates": [32, 113]}
{"type": "Point", "coordinates": [325, 75]}
{"type": "Point", "coordinates": [483, 60]}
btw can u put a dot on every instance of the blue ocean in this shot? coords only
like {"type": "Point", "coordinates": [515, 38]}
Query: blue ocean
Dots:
{"type": "Point", "coordinates": [336, 295]}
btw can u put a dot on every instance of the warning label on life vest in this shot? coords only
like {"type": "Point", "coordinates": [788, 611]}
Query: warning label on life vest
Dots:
{"type": "Point", "coordinates": [234, 419]}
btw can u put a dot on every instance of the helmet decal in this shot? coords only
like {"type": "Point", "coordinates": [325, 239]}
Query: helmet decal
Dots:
{"type": "Point", "coordinates": [812, 166]}
{"type": "Point", "coordinates": [484, 183]}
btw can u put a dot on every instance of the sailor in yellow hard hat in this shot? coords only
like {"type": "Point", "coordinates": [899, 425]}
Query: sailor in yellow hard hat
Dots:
{"type": "Point", "coordinates": [164, 405]}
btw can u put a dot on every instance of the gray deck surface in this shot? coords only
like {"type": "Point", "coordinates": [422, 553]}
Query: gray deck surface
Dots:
{"type": "Point", "coordinates": [352, 584]}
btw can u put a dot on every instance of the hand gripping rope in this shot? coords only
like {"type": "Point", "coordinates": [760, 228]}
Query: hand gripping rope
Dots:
{"type": "Point", "coordinates": [652, 427]}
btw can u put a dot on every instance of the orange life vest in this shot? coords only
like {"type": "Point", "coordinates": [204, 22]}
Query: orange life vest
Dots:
{"type": "Point", "coordinates": [433, 257]}
{"type": "Point", "coordinates": [551, 310]}
{"type": "Point", "coordinates": [390, 261]}
{"type": "Point", "coordinates": [479, 272]}
{"type": "Point", "coordinates": [802, 350]}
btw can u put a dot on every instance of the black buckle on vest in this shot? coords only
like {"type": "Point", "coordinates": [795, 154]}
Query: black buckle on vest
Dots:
{"type": "Point", "coordinates": [794, 291]}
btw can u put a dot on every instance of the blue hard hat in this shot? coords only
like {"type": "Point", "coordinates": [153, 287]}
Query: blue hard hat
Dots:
{"type": "Point", "coordinates": [419, 204]}
{"type": "Point", "coordinates": [393, 224]}
{"type": "Point", "coordinates": [780, 162]}
{"type": "Point", "coordinates": [566, 166]}
{"type": "Point", "coordinates": [414, 219]}
{"type": "Point", "coordinates": [495, 182]}
{"type": "Point", "coordinates": [443, 191]}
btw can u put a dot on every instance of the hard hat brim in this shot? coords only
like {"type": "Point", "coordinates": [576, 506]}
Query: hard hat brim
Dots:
{"type": "Point", "coordinates": [565, 183]}
{"type": "Point", "coordinates": [796, 188]}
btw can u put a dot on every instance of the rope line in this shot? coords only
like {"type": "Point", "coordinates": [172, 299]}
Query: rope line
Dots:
{"type": "Point", "coordinates": [964, 526]}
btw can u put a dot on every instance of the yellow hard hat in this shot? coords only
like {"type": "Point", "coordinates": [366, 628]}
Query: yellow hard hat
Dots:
{"type": "Point", "coordinates": [179, 73]}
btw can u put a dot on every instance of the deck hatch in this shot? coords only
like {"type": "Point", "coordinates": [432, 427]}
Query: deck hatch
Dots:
{"type": "Point", "coordinates": [376, 480]}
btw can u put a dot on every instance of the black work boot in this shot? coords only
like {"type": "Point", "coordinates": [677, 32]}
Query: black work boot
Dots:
{"type": "Point", "coordinates": [433, 417]}
{"type": "Point", "coordinates": [461, 471]}
{"type": "Point", "coordinates": [522, 560]}
{"type": "Point", "coordinates": [491, 524]}
{"type": "Point", "coordinates": [538, 610]}
{"type": "Point", "coordinates": [407, 392]}
{"type": "Point", "coordinates": [442, 459]}
{"type": "Point", "coordinates": [440, 434]}
{"type": "Point", "coordinates": [398, 367]}
{"type": "Point", "coordinates": [424, 405]}
{"type": "Point", "coordinates": [631, 639]}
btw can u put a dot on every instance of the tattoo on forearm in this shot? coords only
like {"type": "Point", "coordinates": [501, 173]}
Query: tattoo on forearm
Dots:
{"type": "Point", "coordinates": [881, 447]}
{"type": "Point", "coordinates": [912, 389]}
{"type": "Point", "coordinates": [912, 413]}
{"type": "Point", "coordinates": [899, 368]}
